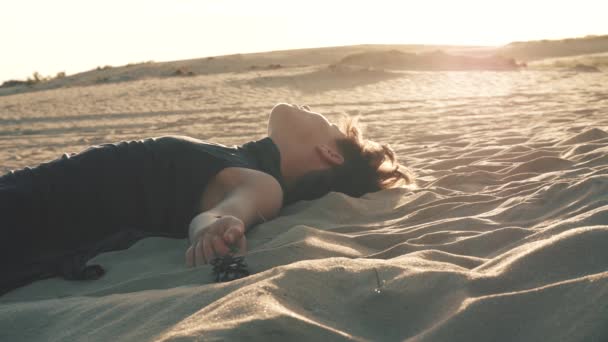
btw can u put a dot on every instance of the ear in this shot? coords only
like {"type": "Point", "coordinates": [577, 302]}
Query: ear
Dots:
{"type": "Point", "coordinates": [329, 155]}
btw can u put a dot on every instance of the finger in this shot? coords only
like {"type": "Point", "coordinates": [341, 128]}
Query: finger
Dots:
{"type": "Point", "coordinates": [208, 249]}
{"type": "Point", "coordinates": [242, 244]}
{"type": "Point", "coordinates": [190, 257]}
{"type": "Point", "coordinates": [219, 246]}
{"type": "Point", "coordinates": [199, 256]}
{"type": "Point", "coordinates": [234, 233]}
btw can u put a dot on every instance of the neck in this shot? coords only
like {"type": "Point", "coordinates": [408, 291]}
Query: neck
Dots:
{"type": "Point", "coordinates": [291, 168]}
{"type": "Point", "coordinates": [295, 162]}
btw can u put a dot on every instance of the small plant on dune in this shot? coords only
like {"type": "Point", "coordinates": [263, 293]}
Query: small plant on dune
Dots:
{"type": "Point", "coordinates": [12, 83]}
{"type": "Point", "coordinates": [139, 63]}
{"type": "Point", "coordinates": [183, 72]}
{"type": "Point", "coordinates": [36, 78]}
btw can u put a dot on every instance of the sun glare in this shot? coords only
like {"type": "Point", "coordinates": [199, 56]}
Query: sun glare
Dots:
{"type": "Point", "coordinates": [66, 35]}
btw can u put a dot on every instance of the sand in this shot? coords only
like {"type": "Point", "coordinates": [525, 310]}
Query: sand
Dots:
{"type": "Point", "coordinates": [503, 238]}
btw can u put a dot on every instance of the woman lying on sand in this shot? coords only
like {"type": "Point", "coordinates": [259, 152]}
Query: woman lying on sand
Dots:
{"type": "Point", "coordinates": [57, 215]}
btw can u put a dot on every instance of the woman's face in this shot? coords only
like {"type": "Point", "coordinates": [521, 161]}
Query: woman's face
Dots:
{"type": "Point", "coordinates": [301, 123]}
{"type": "Point", "coordinates": [306, 139]}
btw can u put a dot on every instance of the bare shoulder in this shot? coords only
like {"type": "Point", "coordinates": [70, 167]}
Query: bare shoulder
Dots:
{"type": "Point", "coordinates": [232, 178]}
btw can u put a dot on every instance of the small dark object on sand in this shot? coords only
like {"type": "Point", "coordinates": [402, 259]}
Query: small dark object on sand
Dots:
{"type": "Point", "coordinates": [229, 268]}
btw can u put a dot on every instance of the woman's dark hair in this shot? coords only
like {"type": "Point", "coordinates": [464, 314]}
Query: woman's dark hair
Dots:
{"type": "Point", "coordinates": [368, 167]}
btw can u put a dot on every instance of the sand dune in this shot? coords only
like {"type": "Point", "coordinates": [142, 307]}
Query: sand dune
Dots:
{"type": "Point", "coordinates": [584, 54]}
{"type": "Point", "coordinates": [539, 49]}
{"type": "Point", "coordinates": [503, 238]}
{"type": "Point", "coordinates": [436, 60]}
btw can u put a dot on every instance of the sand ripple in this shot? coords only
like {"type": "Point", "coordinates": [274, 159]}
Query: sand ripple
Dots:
{"type": "Point", "coordinates": [504, 237]}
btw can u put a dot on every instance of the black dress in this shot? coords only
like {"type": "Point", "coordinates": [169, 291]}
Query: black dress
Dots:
{"type": "Point", "coordinates": [56, 216]}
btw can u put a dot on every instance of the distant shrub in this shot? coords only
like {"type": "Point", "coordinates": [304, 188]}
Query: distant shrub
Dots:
{"type": "Point", "coordinates": [36, 78]}
{"type": "Point", "coordinates": [139, 63]}
{"type": "Point", "coordinates": [183, 72]}
{"type": "Point", "coordinates": [12, 83]}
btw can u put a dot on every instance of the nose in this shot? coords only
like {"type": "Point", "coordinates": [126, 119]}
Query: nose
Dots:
{"type": "Point", "coordinates": [305, 110]}
{"type": "Point", "coordinates": [300, 107]}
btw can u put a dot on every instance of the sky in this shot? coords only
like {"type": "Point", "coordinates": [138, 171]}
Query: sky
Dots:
{"type": "Point", "coordinates": [75, 35]}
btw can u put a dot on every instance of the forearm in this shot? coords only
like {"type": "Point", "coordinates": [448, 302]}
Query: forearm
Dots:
{"type": "Point", "coordinates": [251, 203]}
{"type": "Point", "coordinates": [240, 205]}
{"type": "Point", "coordinates": [204, 219]}
{"type": "Point", "coordinates": [199, 222]}
{"type": "Point", "coordinates": [220, 230]}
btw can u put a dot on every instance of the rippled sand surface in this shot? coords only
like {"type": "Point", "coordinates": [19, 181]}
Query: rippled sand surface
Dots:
{"type": "Point", "coordinates": [504, 238]}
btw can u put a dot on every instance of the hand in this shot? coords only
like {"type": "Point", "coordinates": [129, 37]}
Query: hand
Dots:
{"type": "Point", "coordinates": [217, 239]}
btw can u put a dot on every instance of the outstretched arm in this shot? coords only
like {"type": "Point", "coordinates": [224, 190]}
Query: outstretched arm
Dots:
{"type": "Point", "coordinates": [214, 232]}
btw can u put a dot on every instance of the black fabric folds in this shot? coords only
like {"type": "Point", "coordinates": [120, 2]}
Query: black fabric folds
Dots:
{"type": "Point", "coordinates": [56, 216]}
